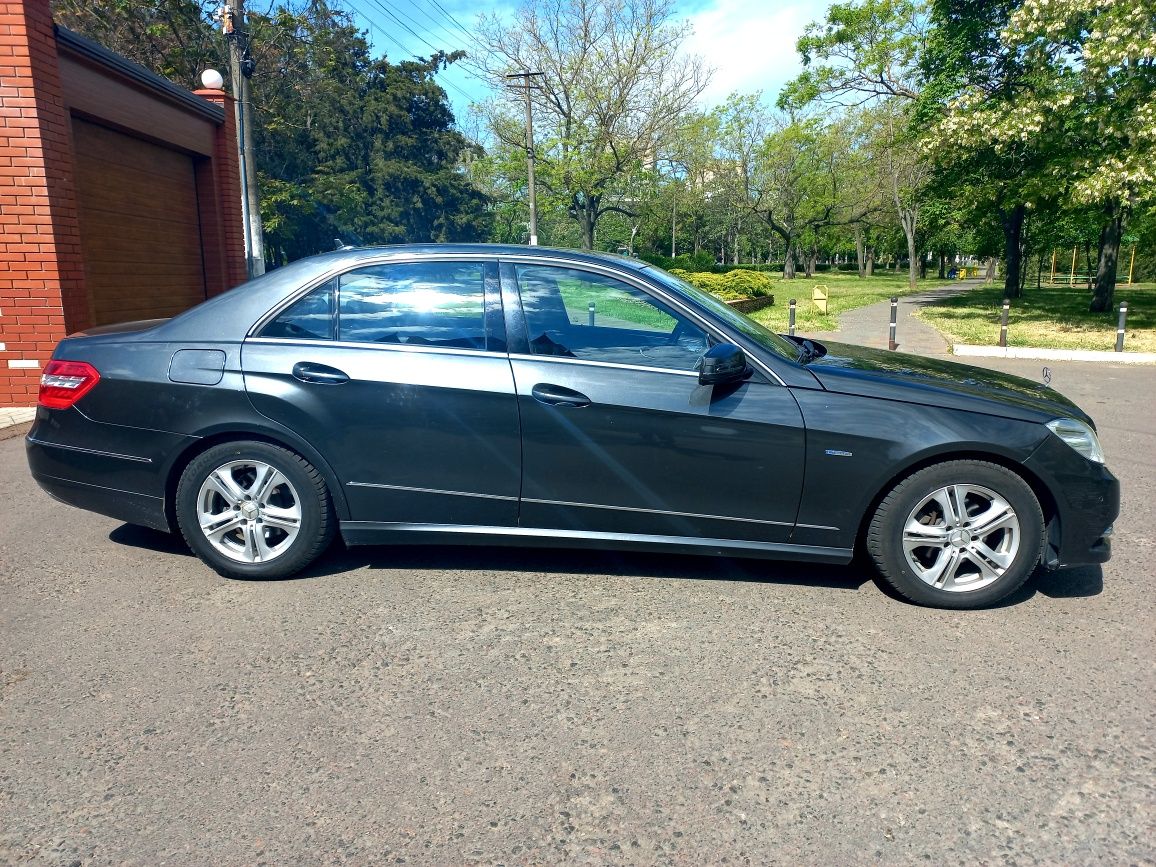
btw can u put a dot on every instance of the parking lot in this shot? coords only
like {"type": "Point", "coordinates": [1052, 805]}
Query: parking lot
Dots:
{"type": "Point", "coordinates": [450, 706]}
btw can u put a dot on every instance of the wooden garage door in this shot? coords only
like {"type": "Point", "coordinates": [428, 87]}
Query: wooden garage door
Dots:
{"type": "Point", "coordinates": [139, 226]}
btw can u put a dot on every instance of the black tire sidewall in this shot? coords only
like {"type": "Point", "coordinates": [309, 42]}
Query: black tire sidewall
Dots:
{"type": "Point", "coordinates": [885, 533]}
{"type": "Point", "coordinates": [312, 496]}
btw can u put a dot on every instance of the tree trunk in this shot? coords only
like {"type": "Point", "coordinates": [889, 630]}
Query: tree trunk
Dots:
{"type": "Point", "coordinates": [922, 266]}
{"type": "Point", "coordinates": [860, 252]}
{"type": "Point", "coordinates": [909, 219]}
{"type": "Point", "coordinates": [587, 212]}
{"type": "Point", "coordinates": [809, 265]}
{"type": "Point", "coordinates": [942, 275]}
{"type": "Point", "coordinates": [673, 226]}
{"type": "Point", "coordinates": [1013, 226]}
{"type": "Point", "coordinates": [1105, 288]}
{"type": "Point", "coordinates": [789, 262]}
{"type": "Point", "coordinates": [870, 269]}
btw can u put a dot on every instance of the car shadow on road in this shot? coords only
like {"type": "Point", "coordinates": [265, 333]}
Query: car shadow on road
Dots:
{"type": "Point", "coordinates": [1065, 584]}
{"type": "Point", "coordinates": [582, 562]}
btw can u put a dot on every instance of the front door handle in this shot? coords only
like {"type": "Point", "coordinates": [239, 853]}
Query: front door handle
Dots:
{"type": "Point", "coordinates": [307, 371]}
{"type": "Point", "coordinates": [557, 395]}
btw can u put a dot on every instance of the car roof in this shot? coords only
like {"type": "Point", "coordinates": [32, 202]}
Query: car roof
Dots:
{"type": "Point", "coordinates": [521, 250]}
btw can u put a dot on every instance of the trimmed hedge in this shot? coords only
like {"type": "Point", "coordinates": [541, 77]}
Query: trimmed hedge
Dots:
{"type": "Point", "coordinates": [731, 286]}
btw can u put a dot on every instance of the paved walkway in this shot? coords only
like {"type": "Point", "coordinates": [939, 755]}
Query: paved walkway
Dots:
{"type": "Point", "coordinates": [16, 415]}
{"type": "Point", "coordinates": [867, 326]}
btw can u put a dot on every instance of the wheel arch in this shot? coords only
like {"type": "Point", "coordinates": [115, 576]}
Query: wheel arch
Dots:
{"type": "Point", "coordinates": [207, 441]}
{"type": "Point", "coordinates": [1042, 493]}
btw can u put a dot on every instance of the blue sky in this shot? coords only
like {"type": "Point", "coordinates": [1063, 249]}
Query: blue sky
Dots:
{"type": "Point", "coordinates": [749, 44]}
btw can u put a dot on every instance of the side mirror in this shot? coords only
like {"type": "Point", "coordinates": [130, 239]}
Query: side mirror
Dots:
{"type": "Point", "coordinates": [723, 362]}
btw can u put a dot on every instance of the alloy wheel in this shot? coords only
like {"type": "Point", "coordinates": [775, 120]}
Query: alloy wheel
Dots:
{"type": "Point", "coordinates": [249, 511]}
{"type": "Point", "coordinates": [961, 538]}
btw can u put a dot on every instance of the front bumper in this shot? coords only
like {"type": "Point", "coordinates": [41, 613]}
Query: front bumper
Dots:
{"type": "Point", "coordinates": [1087, 500]}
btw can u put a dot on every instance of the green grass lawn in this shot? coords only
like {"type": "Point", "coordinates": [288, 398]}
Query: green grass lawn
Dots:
{"type": "Point", "coordinates": [844, 292]}
{"type": "Point", "coordinates": [1049, 317]}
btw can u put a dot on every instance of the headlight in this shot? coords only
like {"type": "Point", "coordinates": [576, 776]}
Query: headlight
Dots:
{"type": "Point", "coordinates": [1079, 436]}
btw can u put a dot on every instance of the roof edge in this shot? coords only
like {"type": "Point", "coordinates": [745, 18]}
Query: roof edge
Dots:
{"type": "Point", "coordinates": [146, 78]}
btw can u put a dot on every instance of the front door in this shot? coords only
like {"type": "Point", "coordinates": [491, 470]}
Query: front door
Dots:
{"type": "Point", "coordinates": [617, 434]}
{"type": "Point", "coordinates": [397, 373]}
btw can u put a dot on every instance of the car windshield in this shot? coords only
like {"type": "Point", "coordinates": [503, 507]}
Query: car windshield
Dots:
{"type": "Point", "coordinates": [761, 335]}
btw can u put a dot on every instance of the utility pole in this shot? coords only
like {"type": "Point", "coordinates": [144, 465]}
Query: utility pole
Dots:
{"type": "Point", "coordinates": [526, 76]}
{"type": "Point", "coordinates": [241, 66]}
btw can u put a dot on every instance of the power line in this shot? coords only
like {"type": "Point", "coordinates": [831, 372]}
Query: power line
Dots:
{"type": "Point", "coordinates": [401, 45]}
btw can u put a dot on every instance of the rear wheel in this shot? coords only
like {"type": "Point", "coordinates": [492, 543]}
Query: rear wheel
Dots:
{"type": "Point", "coordinates": [961, 534]}
{"type": "Point", "coordinates": [254, 510]}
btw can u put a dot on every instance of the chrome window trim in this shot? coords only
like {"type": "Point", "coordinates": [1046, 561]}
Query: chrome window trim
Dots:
{"type": "Point", "coordinates": [393, 347]}
{"type": "Point", "coordinates": [430, 491]}
{"type": "Point", "coordinates": [662, 293]}
{"type": "Point", "coordinates": [369, 262]}
{"type": "Point", "coordinates": [561, 359]}
{"type": "Point", "coordinates": [623, 274]}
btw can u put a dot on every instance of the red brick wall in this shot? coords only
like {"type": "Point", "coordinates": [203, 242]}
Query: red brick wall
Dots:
{"type": "Point", "coordinates": [228, 232]}
{"type": "Point", "coordinates": [42, 282]}
{"type": "Point", "coordinates": [41, 273]}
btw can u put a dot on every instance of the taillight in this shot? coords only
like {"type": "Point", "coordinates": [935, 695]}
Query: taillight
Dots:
{"type": "Point", "coordinates": [63, 383]}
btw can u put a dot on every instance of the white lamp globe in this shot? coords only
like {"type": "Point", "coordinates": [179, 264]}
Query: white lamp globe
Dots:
{"type": "Point", "coordinates": [212, 79]}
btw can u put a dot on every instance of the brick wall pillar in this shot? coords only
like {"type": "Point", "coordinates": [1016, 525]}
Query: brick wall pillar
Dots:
{"type": "Point", "coordinates": [226, 177]}
{"type": "Point", "coordinates": [41, 271]}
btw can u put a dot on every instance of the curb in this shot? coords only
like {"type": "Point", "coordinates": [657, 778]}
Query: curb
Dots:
{"type": "Point", "coordinates": [964, 349]}
{"type": "Point", "coordinates": [13, 415]}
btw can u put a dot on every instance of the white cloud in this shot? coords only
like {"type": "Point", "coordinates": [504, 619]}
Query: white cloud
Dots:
{"type": "Point", "coordinates": [750, 44]}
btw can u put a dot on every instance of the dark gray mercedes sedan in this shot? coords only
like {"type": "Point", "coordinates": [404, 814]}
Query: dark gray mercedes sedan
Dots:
{"type": "Point", "coordinates": [465, 394]}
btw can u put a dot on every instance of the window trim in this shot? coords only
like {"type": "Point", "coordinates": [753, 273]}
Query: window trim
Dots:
{"type": "Point", "coordinates": [509, 261]}
{"type": "Point", "coordinates": [488, 281]}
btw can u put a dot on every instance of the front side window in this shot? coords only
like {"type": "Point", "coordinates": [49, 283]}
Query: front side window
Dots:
{"type": "Point", "coordinates": [581, 314]}
{"type": "Point", "coordinates": [437, 304]}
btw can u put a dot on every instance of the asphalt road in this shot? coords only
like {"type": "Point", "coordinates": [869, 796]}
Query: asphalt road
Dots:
{"type": "Point", "coordinates": [487, 706]}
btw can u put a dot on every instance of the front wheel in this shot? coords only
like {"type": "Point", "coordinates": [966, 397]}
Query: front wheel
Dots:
{"type": "Point", "coordinates": [961, 534]}
{"type": "Point", "coordinates": [254, 510]}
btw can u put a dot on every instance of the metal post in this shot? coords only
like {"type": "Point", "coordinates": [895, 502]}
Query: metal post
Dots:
{"type": "Point", "coordinates": [1120, 326]}
{"type": "Point", "coordinates": [791, 317]}
{"type": "Point", "coordinates": [891, 344]}
{"type": "Point", "coordinates": [1003, 322]}
{"type": "Point", "coordinates": [590, 310]}
{"type": "Point", "coordinates": [240, 68]}
{"type": "Point", "coordinates": [526, 76]}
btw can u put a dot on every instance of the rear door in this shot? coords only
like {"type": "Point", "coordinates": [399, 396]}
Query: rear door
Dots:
{"type": "Point", "coordinates": [617, 434]}
{"type": "Point", "coordinates": [397, 373]}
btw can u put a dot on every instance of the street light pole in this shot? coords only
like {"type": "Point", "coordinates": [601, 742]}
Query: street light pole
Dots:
{"type": "Point", "coordinates": [526, 76]}
{"type": "Point", "coordinates": [240, 68]}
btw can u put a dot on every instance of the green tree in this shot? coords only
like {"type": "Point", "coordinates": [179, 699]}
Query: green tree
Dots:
{"type": "Point", "coordinates": [614, 85]}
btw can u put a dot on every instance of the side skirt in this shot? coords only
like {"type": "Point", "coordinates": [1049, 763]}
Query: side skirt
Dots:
{"type": "Point", "coordinates": [389, 533]}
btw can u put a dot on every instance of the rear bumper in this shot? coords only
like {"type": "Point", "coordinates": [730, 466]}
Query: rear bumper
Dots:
{"type": "Point", "coordinates": [110, 469]}
{"type": "Point", "coordinates": [125, 506]}
{"type": "Point", "coordinates": [1087, 498]}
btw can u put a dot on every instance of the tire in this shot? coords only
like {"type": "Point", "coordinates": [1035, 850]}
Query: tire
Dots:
{"type": "Point", "coordinates": [929, 556]}
{"type": "Point", "coordinates": [254, 510]}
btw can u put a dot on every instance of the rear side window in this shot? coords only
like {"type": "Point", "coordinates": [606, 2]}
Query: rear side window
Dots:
{"type": "Point", "coordinates": [310, 318]}
{"type": "Point", "coordinates": [438, 304]}
{"type": "Point", "coordinates": [414, 303]}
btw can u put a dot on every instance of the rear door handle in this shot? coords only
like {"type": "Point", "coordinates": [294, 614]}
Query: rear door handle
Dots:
{"type": "Point", "coordinates": [307, 371]}
{"type": "Point", "coordinates": [557, 395]}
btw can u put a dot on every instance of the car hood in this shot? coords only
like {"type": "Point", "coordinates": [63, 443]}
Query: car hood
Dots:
{"type": "Point", "coordinates": [898, 376]}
